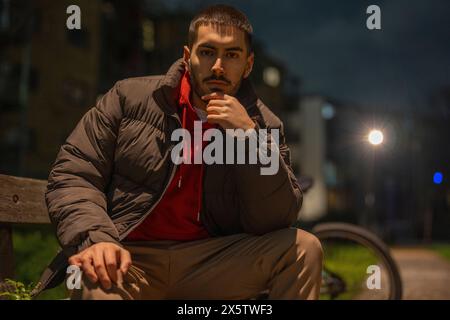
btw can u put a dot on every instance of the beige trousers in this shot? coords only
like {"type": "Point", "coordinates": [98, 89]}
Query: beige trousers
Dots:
{"type": "Point", "coordinates": [287, 263]}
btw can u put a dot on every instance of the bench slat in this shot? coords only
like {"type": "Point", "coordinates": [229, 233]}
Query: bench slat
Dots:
{"type": "Point", "coordinates": [22, 200]}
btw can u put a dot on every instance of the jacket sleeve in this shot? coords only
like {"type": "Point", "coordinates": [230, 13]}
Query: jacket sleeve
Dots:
{"type": "Point", "coordinates": [269, 201]}
{"type": "Point", "coordinates": [75, 194]}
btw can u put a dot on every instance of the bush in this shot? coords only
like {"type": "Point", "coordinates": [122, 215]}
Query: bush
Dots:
{"type": "Point", "coordinates": [34, 248]}
{"type": "Point", "coordinates": [15, 290]}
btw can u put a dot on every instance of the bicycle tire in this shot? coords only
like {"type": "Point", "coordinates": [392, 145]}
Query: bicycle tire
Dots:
{"type": "Point", "coordinates": [368, 239]}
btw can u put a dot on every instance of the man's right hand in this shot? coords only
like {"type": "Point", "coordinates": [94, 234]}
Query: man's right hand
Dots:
{"type": "Point", "coordinates": [101, 262]}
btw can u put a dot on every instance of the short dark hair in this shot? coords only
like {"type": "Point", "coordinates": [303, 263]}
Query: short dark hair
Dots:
{"type": "Point", "coordinates": [221, 15]}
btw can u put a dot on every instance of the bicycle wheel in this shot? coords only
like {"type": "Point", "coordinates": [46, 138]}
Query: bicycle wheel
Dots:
{"type": "Point", "coordinates": [357, 264]}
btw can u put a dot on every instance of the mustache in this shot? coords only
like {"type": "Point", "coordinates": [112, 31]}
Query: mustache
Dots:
{"type": "Point", "coordinates": [219, 78]}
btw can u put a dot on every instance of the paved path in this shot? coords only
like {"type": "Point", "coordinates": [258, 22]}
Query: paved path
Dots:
{"type": "Point", "coordinates": [425, 274]}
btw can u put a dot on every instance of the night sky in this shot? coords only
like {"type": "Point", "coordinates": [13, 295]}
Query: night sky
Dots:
{"type": "Point", "coordinates": [326, 43]}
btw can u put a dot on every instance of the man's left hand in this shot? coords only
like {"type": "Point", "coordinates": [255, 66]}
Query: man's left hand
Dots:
{"type": "Point", "coordinates": [227, 112]}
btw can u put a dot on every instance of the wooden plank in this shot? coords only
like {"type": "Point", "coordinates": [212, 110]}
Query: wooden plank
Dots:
{"type": "Point", "coordinates": [22, 200]}
{"type": "Point", "coordinates": [6, 253]}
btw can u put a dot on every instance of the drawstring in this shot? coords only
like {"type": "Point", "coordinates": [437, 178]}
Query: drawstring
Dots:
{"type": "Point", "coordinates": [186, 155]}
{"type": "Point", "coordinates": [185, 147]}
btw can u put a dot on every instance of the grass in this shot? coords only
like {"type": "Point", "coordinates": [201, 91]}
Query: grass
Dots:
{"type": "Point", "coordinates": [443, 249]}
{"type": "Point", "coordinates": [34, 248]}
{"type": "Point", "coordinates": [350, 262]}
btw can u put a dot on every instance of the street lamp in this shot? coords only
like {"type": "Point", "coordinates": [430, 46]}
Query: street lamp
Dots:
{"type": "Point", "coordinates": [375, 138]}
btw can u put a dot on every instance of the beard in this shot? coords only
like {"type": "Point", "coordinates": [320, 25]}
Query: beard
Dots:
{"type": "Point", "coordinates": [200, 91]}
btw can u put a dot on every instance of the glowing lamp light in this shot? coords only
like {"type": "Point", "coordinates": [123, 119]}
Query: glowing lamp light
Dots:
{"type": "Point", "coordinates": [375, 137]}
{"type": "Point", "coordinates": [438, 177]}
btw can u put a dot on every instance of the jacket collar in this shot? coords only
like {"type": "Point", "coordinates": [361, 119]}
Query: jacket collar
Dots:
{"type": "Point", "coordinates": [167, 94]}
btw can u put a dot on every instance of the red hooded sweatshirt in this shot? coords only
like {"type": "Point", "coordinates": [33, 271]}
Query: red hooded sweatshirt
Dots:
{"type": "Point", "coordinates": [177, 215]}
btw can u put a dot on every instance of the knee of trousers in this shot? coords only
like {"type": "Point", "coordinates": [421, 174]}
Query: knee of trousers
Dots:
{"type": "Point", "coordinates": [307, 248]}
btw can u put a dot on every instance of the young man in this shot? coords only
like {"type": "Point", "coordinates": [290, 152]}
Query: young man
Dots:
{"type": "Point", "coordinates": [140, 226]}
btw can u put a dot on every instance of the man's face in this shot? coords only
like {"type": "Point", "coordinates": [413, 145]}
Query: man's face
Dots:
{"type": "Point", "coordinates": [218, 60]}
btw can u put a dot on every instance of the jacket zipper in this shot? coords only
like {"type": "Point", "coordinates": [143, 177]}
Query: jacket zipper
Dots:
{"type": "Point", "coordinates": [124, 235]}
{"type": "Point", "coordinates": [172, 174]}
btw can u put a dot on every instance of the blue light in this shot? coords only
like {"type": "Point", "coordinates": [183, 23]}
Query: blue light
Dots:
{"type": "Point", "coordinates": [437, 178]}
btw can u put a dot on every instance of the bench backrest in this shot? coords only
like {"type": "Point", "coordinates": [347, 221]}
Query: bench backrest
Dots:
{"type": "Point", "coordinates": [21, 201]}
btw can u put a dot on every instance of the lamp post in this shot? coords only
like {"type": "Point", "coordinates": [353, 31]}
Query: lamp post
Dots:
{"type": "Point", "coordinates": [375, 139]}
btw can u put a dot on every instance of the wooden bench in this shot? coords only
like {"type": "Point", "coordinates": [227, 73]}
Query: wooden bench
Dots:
{"type": "Point", "coordinates": [21, 202]}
